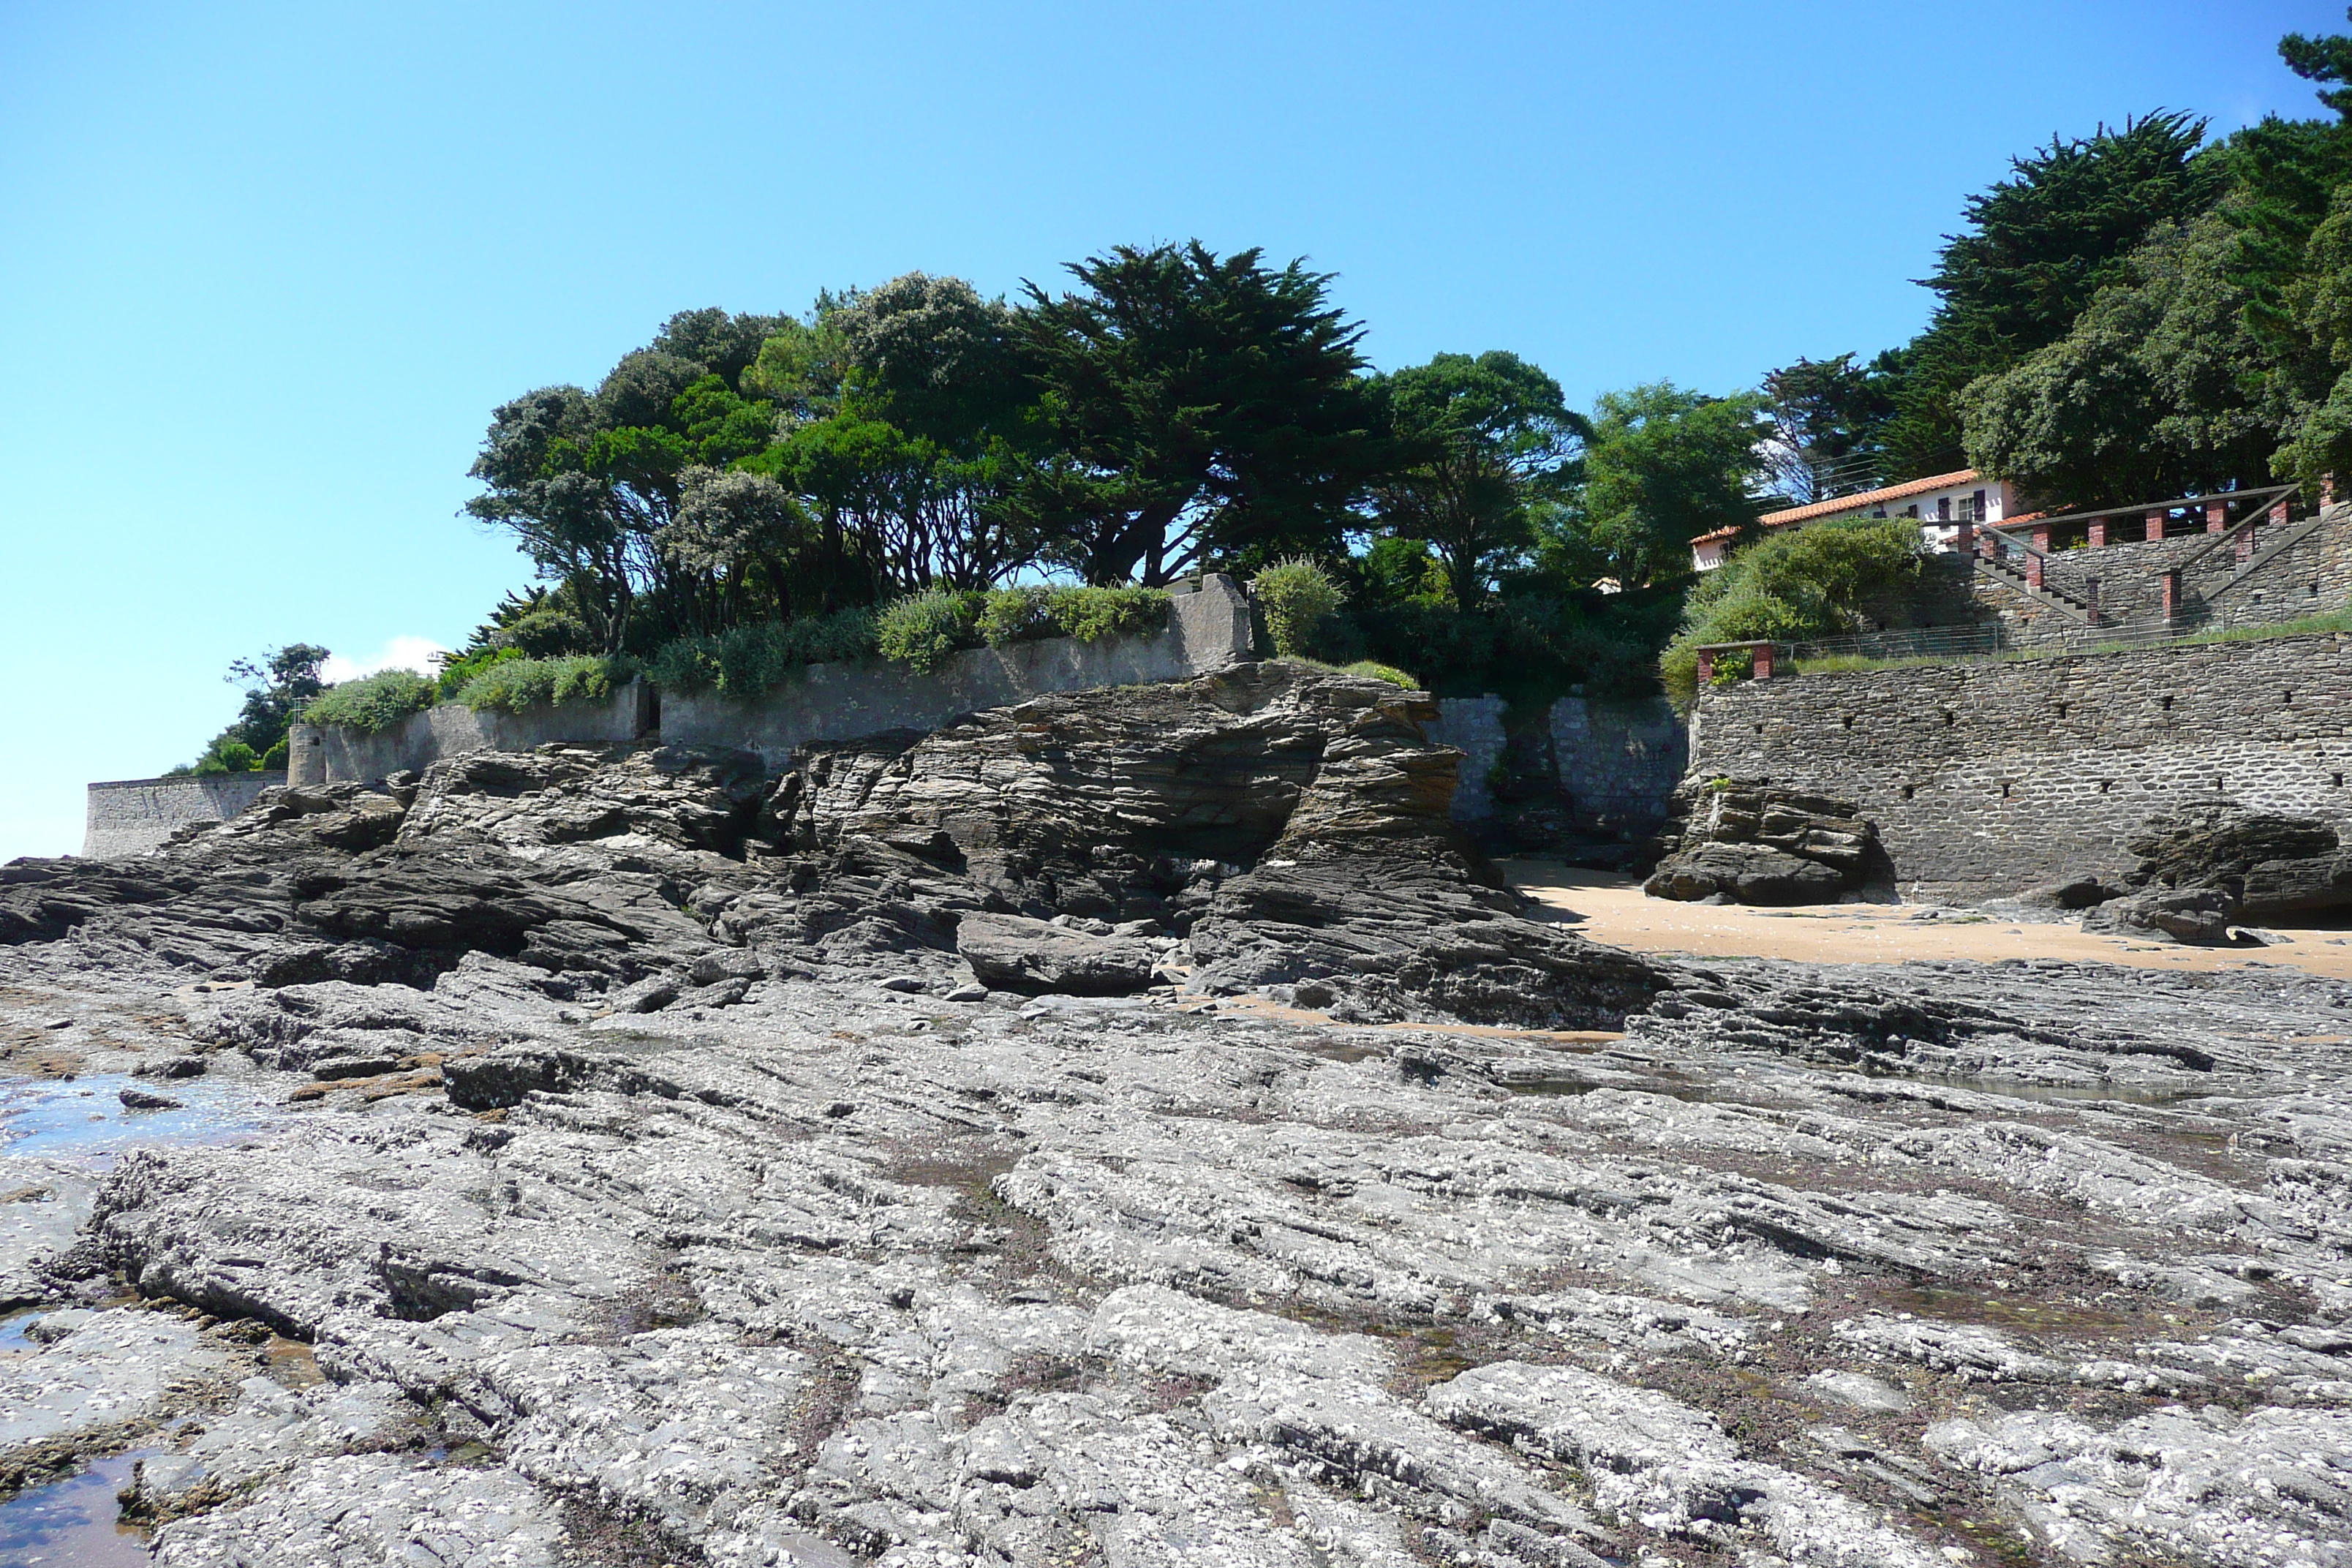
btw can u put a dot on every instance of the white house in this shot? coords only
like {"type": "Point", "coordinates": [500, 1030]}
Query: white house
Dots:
{"type": "Point", "coordinates": [1941, 503]}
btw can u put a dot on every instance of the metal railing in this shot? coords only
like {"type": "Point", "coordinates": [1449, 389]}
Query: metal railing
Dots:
{"type": "Point", "coordinates": [1999, 639]}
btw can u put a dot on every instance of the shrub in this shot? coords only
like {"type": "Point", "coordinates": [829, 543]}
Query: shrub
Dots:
{"type": "Point", "coordinates": [518, 685]}
{"type": "Point", "coordinates": [747, 660]}
{"type": "Point", "coordinates": [923, 630]}
{"type": "Point", "coordinates": [274, 760]}
{"type": "Point", "coordinates": [372, 702]}
{"type": "Point", "coordinates": [1378, 671]}
{"type": "Point", "coordinates": [227, 757]}
{"type": "Point", "coordinates": [1296, 594]}
{"type": "Point", "coordinates": [458, 672]}
{"type": "Point", "coordinates": [1798, 584]}
{"type": "Point", "coordinates": [1089, 615]}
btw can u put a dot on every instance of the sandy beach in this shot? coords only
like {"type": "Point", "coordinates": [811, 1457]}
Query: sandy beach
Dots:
{"type": "Point", "coordinates": [1610, 906]}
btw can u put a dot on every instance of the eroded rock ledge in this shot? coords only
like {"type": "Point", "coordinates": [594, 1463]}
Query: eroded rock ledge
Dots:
{"type": "Point", "coordinates": [647, 1178]}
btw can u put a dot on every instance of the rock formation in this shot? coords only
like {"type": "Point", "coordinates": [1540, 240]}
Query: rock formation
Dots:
{"type": "Point", "coordinates": [1760, 844]}
{"type": "Point", "coordinates": [2205, 870]}
{"type": "Point", "coordinates": [585, 1158]}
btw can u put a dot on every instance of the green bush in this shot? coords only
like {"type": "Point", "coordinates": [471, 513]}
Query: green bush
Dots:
{"type": "Point", "coordinates": [1796, 586]}
{"type": "Point", "coordinates": [372, 702]}
{"type": "Point", "coordinates": [459, 671]}
{"type": "Point", "coordinates": [1376, 670]}
{"type": "Point", "coordinates": [923, 630]}
{"type": "Point", "coordinates": [518, 685]}
{"type": "Point", "coordinates": [1089, 615]}
{"type": "Point", "coordinates": [1296, 594]}
{"type": "Point", "coordinates": [274, 760]}
{"type": "Point", "coordinates": [227, 757]}
{"type": "Point", "coordinates": [744, 661]}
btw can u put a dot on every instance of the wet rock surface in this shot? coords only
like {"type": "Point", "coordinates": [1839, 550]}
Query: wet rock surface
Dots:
{"type": "Point", "coordinates": [774, 1235]}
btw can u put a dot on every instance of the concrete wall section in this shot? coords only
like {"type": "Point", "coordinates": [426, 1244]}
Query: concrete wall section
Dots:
{"type": "Point", "coordinates": [1473, 726]}
{"type": "Point", "coordinates": [1618, 762]}
{"type": "Point", "coordinates": [131, 817]}
{"type": "Point", "coordinates": [331, 754]}
{"type": "Point", "coordinates": [1987, 779]}
{"type": "Point", "coordinates": [1206, 630]}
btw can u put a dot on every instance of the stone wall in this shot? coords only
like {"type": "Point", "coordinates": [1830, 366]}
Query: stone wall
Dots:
{"type": "Point", "coordinates": [325, 753]}
{"type": "Point", "coordinates": [131, 817]}
{"type": "Point", "coordinates": [1473, 726]}
{"type": "Point", "coordinates": [1988, 778]}
{"type": "Point", "coordinates": [1618, 762]}
{"type": "Point", "coordinates": [1208, 628]}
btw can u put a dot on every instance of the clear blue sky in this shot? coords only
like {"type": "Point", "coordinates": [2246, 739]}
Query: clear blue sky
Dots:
{"type": "Point", "coordinates": [264, 269]}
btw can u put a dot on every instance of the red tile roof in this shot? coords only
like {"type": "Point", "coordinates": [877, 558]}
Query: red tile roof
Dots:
{"type": "Point", "coordinates": [1847, 506]}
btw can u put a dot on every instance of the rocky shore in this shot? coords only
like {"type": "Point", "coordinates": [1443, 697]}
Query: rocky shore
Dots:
{"type": "Point", "coordinates": [1126, 1129]}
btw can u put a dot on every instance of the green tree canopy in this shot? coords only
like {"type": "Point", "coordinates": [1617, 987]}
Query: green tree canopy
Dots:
{"type": "Point", "coordinates": [2034, 250]}
{"type": "Point", "coordinates": [1663, 466]}
{"type": "Point", "coordinates": [1197, 408]}
{"type": "Point", "coordinates": [1484, 435]}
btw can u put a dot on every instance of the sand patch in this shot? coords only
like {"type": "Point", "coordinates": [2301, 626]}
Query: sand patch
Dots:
{"type": "Point", "coordinates": [1609, 907]}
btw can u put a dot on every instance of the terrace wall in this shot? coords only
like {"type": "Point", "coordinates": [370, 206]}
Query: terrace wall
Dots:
{"type": "Point", "coordinates": [131, 817]}
{"type": "Point", "coordinates": [1985, 779]}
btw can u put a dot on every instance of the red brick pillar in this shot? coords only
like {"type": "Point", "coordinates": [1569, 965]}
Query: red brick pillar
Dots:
{"type": "Point", "coordinates": [2327, 489]}
{"type": "Point", "coordinates": [2091, 599]}
{"type": "Point", "coordinates": [2171, 581]}
{"type": "Point", "coordinates": [1762, 654]}
{"type": "Point", "coordinates": [2042, 537]}
{"type": "Point", "coordinates": [1965, 539]}
{"type": "Point", "coordinates": [1706, 666]}
{"type": "Point", "coordinates": [2216, 517]}
{"type": "Point", "coordinates": [2155, 525]}
{"type": "Point", "coordinates": [2098, 533]}
{"type": "Point", "coordinates": [2032, 570]}
{"type": "Point", "coordinates": [2278, 514]}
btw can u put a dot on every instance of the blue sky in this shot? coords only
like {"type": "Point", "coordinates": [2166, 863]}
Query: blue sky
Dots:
{"type": "Point", "coordinates": [264, 269]}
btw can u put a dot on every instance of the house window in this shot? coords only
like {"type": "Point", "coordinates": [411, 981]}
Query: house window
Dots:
{"type": "Point", "coordinates": [1943, 509]}
{"type": "Point", "coordinates": [1977, 507]}
{"type": "Point", "coordinates": [1912, 511]}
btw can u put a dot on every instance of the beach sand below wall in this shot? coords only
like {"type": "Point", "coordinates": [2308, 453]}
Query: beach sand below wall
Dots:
{"type": "Point", "coordinates": [1609, 907]}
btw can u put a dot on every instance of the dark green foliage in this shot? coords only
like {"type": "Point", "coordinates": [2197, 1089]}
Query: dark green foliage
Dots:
{"type": "Point", "coordinates": [518, 685]}
{"type": "Point", "coordinates": [278, 686]}
{"type": "Point", "coordinates": [1479, 439]}
{"type": "Point", "coordinates": [1799, 584]}
{"type": "Point", "coordinates": [744, 661]}
{"type": "Point", "coordinates": [457, 673]}
{"type": "Point", "coordinates": [2034, 251]}
{"type": "Point", "coordinates": [1661, 467]}
{"type": "Point", "coordinates": [1534, 643]}
{"type": "Point", "coordinates": [374, 702]}
{"type": "Point", "coordinates": [1198, 410]}
{"type": "Point", "coordinates": [1828, 424]}
{"type": "Point", "coordinates": [2148, 395]}
{"type": "Point", "coordinates": [923, 630]}
{"type": "Point", "coordinates": [1294, 597]}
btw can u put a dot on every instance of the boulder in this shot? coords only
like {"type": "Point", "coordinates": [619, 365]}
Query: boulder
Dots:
{"type": "Point", "coordinates": [2279, 890]}
{"type": "Point", "coordinates": [1761, 844]}
{"type": "Point", "coordinates": [1012, 952]}
{"type": "Point", "coordinates": [2217, 844]}
{"type": "Point", "coordinates": [2195, 916]}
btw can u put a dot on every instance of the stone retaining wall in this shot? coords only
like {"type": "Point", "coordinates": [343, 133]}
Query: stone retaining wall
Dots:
{"type": "Point", "coordinates": [1988, 778]}
{"type": "Point", "coordinates": [1207, 629]}
{"type": "Point", "coordinates": [131, 817]}
{"type": "Point", "coordinates": [1617, 761]}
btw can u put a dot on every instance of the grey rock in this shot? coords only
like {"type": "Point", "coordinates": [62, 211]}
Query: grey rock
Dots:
{"type": "Point", "coordinates": [136, 1099]}
{"type": "Point", "coordinates": [1764, 844]}
{"type": "Point", "coordinates": [2196, 916]}
{"type": "Point", "coordinates": [1032, 956]}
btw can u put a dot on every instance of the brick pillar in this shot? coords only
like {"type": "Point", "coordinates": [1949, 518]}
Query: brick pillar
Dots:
{"type": "Point", "coordinates": [1965, 540]}
{"type": "Point", "coordinates": [2171, 581]}
{"type": "Point", "coordinates": [2327, 489]}
{"type": "Point", "coordinates": [2032, 570]}
{"type": "Point", "coordinates": [2091, 599]}
{"type": "Point", "coordinates": [2245, 548]}
{"type": "Point", "coordinates": [1706, 666]}
{"type": "Point", "coordinates": [2098, 533]}
{"type": "Point", "coordinates": [2155, 525]}
{"type": "Point", "coordinates": [2042, 537]}
{"type": "Point", "coordinates": [2278, 514]}
{"type": "Point", "coordinates": [2216, 517]}
{"type": "Point", "coordinates": [1762, 654]}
